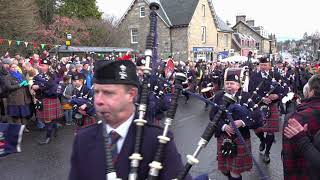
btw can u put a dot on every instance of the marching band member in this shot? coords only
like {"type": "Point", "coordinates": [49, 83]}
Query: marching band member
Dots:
{"type": "Point", "coordinates": [265, 85]}
{"type": "Point", "coordinates": [115, 90]}
{"type": "Point", "coordinates": [208, 87]}
{"type": "Point", "coordinates": [82, 100]}
{"type": "Point", "coordinates": [189, 83]}
{"type": "Point", "coordinates": [234, 160]}
{"type": "Point", "coordinates": [49, 108]}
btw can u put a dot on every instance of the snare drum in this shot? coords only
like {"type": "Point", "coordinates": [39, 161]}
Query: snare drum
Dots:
{"type": "Point", "coordinates": [207, 92]}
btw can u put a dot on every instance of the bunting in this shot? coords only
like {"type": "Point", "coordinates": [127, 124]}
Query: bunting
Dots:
{"type": "Point", "coordinates": [26, 43]}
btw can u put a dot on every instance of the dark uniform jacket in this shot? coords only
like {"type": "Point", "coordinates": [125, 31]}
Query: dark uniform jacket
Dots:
{"type": "Point", "coordinates": [239, 111]}
{"type": "Point", "coordinates": [256, 78]}
{"type": "Point", "coordinates": [48, 84]}
{"type": "Point", "coordinates": [88, 155]}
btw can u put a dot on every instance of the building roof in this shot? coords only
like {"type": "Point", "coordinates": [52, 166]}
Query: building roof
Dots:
{"type": "Point", "coordinates": [234, 27]}
{"type": "Point", "coordinates": [88, 49]}
{"type": "Point", "coordinates": [161, 13]}
{"type": "Point", "coordinates": [222, 26]}
{"type": "Point", "coordinates": [179, 12]}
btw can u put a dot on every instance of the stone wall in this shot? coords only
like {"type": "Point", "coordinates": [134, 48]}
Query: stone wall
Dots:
{"type": "Point", "coordinates": [133, 20]}
{"type": "Point", "coordinates": [194, 31]}
{"type": "Point", "coordinates": [243, 29]}
{"type": "Point", "coordinates": [221, 45]}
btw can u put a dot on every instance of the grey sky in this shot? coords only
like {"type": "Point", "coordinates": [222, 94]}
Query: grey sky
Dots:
{"type": "Point", "coordinates": [288, 19]}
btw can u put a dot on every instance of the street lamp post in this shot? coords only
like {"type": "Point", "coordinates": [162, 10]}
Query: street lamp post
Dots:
{"type": "Point", "coordinates": [270, 53]}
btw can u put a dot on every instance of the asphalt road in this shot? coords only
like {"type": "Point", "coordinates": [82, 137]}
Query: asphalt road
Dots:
{"type": "Point", "coordinates": [51, 162]}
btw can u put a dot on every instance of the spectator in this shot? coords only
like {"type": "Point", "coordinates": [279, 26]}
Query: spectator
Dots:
{"type": "Point", "coordinates": [295, 164]}
{"type": "Point", "coordinates": [18, 96]}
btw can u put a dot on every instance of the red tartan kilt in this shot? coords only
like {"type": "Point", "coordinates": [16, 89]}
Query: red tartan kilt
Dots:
{"type": "Point", "coordinates": [51, 110]}
{"type": "Point", "coordinates": [239, 164]}
{"type": "Point", "coordinates": [272, 124]}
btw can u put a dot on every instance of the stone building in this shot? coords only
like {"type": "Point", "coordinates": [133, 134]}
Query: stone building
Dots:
{"type": "Point", "coordinates": [224, 34]}
{"type": "Point", "coordinates": [186, 29]}
{"type": "Point", "coordinates": [247, 29]}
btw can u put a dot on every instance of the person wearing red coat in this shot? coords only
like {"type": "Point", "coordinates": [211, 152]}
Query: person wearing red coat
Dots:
{"type": "Point", "coordinates": [295, 165]}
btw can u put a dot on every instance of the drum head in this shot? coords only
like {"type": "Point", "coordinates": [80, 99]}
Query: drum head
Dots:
{"type": "Point", "coordinates": [206, 89]}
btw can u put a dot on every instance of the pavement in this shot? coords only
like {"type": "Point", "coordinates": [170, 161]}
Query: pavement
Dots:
{"type": "Point", "coordinates": [52, 161]}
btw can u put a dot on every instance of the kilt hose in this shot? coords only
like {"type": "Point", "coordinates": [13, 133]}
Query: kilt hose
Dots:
{"type": "Point", "coordinates": [51, 110]}
{"type": "Point", "coordinates": [272, 124]}
{"type": "Point", "coordinates": [240, 163]}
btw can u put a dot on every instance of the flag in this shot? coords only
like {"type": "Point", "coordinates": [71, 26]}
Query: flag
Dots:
{"type": "Point", "coordinates": [10, 138]}
{"type": "Point", "coordinates": [9, 42]}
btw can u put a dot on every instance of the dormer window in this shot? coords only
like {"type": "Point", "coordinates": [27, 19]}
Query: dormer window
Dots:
{"type": "Point", "coordinates": [142, 11]}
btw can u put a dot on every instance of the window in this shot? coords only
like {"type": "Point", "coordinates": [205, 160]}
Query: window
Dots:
{"type": "Point", "coordinates": [258, 46]}
{"type": "Point", "coordinates": [203, 34]}
{"type": "Point", "coordinates": [134, 35]}
{"type": "Point", "coordinates": [203, 10]}
{"type": "Point", "coordinates": [225, 38]}
{"type": "Point", "coordinates": [142, 11]}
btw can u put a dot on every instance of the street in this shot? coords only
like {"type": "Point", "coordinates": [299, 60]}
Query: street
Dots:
{"type": "Point", "coordinates": [51, 162]}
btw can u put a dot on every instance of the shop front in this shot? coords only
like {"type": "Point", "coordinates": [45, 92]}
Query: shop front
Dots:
{"type": "Point", "coordinates": [203, 53]}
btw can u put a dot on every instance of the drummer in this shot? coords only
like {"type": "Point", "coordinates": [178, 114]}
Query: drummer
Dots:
{"type": "Point", "coordinates": [208, 87]}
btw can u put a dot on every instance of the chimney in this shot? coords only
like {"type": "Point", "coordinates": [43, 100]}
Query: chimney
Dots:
{"type": "Point", "coordinates": [250, 23]}
{"type": "Point", "coordinates": [240, 18]}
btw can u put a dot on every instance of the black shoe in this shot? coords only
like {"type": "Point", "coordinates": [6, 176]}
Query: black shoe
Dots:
{"type": "Point", "coordinates": [266, 158]}
{"type": "Point", "coordinates": [262, 146]}
{"type": "Point", "coordinates": [46, 141]}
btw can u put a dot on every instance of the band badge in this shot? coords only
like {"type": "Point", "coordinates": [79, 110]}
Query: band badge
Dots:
{"type": "Point", "coordinates": [123, 73]}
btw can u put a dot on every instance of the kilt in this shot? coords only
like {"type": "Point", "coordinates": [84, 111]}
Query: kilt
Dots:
{"type": "Point", "coordinates": [51, 110]}
{"type": "Point", "coordinates": [271, 124]}
{"type": "Point", "coordinates": [240, 163]}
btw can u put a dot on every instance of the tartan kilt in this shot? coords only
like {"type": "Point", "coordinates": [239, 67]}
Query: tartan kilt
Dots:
{"type": "Point", "coordinates": [239, 164]}
{"type": "Point", "coordinates": [271, 124]}
{"type": "Point", "coordinates": [51, 110]}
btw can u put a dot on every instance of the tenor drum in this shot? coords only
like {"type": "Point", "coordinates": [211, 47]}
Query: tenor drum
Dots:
{"type": "Point", "coordinates": [239, 74]}
{"type": "Point", "coordinates": [207, 92]}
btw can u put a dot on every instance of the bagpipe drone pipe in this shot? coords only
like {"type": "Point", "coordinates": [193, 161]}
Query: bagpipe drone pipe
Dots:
{"type": "Point", "coordinates": [211, 127]}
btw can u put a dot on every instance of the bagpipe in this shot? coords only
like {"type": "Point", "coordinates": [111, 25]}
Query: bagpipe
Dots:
{"type": "Point", "coordinates": [206, 136]}
{"type": "Point", "coordinates": [258, 100]}
{"type": "Point", "coordinates": [79, 101]}
{"type": "Point", "coordinates": [228, 109]}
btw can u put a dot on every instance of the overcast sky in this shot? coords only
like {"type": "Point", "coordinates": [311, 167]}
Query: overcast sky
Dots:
{"type": "Point", "coordinates": [288, 19]}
